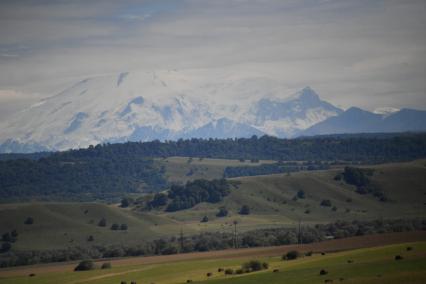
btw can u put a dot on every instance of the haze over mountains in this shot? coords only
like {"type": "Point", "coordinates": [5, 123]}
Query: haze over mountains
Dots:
{"type": "Point", "coordinates": [170, 104]}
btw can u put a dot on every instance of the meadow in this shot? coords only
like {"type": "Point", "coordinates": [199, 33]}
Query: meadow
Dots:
{"type": "Point", "coordinates": [270, 199]}
{"type": "Point", "coordinates": [365, 259]}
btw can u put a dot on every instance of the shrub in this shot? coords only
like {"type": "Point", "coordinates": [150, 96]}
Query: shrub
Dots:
{"type": "Point", "coordinates": [205, 219]}
{"type": "Point", "coordinates": [301, 194]}
{"type": "Point", "coordinates": [5, 247]}
{"type": "Point", "coordinates": [90, 238]}
{"type": "Point", "coordinates": [276, 270]}
{"type": "Point", "coordinates": [125, 203]}
{"type": "Point", "coordinates": [308, 253]}
{"type": "Point", "coordinates": [29, 221]}
{"type": "Point", "coordinates": [32, 275]}
{"type": "Point", "coordinates": [293, 254]}
{"type": "Point", "coordinates": [229, 271]}
{"type": "Point", "coordinates": [14, 234]}
{"type": "Point", "coordinates": [326, 203]}
{"type": "Point", "coordinates": [209, 274]}
{"type": "Point", "coordinates": [398, 257]}
{"type": "Point", "coordinates": [323, 272]}
{"type": "Point", "coordinates": [85, 265]}
{"type": "Point", "coordinates": [123, 227]}
{"type": "Point", "coordinates": [334, 208]}
{"type": "Point", "coordinates": [220, 269]}
{"type": "Point", "coordinates": [115, 227]}
{"type": "Point", "coordinates": [102, 222]}
{"type": "Point", "coordinates": [106, 265]}
{"type": "Point", "coordinates": [254, 265]}
{"type": "Point", "coordinates": [223, 212]}
{"type": "Point", "coordinates": [409, 248]}
{"type": "Point", "coordinates": [189, 281]}
{"type": "Point", "coordinates": [245, 210]}
{"type": "Point", "coordinates": [239, 271]}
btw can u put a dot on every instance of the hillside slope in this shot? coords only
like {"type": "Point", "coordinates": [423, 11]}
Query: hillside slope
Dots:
{"type": "Point", "coordinates": [270, 198]}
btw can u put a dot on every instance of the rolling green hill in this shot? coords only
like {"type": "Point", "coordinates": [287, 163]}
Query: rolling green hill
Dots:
{"type": "Point", "coordinates": [365, 265]}
{"type": "Point", "coordinates": [270, 199]}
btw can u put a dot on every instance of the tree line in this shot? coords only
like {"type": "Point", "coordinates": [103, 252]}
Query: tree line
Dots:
{"type": "Point", "coordinates": [209, 241]}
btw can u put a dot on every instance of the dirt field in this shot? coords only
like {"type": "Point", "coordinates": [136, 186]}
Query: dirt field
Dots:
{"type": "Point", "coordinates": [325, 246]}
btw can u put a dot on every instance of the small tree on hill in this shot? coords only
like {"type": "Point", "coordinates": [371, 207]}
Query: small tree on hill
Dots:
{"type": "Point", "coordinates": [102, 222]}
{"type": "Point", "coordinates": [29, 221]}
{"type": "Point", "coordinates": [85, 265]}
{"type": "Point", "coordinates": [5, 247]}
{"type": "Point", "coordinates": [245, 210]}
{"type": "Point", "coordinates": [205, 219]}
{"type": "Point", "coordinates": [223, 212]}
{"type": "Point", "coordinates": [125, 202]}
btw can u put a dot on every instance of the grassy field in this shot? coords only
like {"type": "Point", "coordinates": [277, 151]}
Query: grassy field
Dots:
{"type": "Point", "coordinates": [270, 198]}
{"type": "Point", "coordinates": [182, 169]}
{"type": "Point", "coordinates": [370, 264]}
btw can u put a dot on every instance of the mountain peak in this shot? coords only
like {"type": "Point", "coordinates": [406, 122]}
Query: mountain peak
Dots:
{"type": "Point", "coordinates": [308, 93]}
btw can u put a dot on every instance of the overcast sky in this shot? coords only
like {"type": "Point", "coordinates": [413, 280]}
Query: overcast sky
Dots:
{"type": "Point", "coordinates": [363, 53]}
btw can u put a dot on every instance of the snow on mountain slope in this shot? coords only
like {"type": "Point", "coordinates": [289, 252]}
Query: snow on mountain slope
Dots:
{"type": "Point", "coordinates": [168, 104]}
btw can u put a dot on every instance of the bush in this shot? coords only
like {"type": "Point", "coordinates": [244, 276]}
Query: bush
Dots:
{"type": "Point", "coordinates": [308, 253]}
{"type": "Point", "coordinates": [239, 271]}
{"type": "Point", "coordinates": [29, 221]}
{"type": "Point", "coordinates": [205, 219]}
{"type": "Point", "coordinates": [326, 203]}
{"type": "Point", "coordinates": [125, 202]}
{"type": "Point", "coordinates": [115, 227]}
{"type": "Point", "coordinates": [409, 248]}
{"type": "Point", "coordinates": [5, 247]}
{"type": "Point", "coordinates": [90, 238]}
{"type": "Point", "coordinates": [32, 275]}
{"type": "Point", "coordinates": [254, 265]}
{"type": "Point", "coordinates": [301, 194]}
{"type": "Point", "coordinates": [106, 265]}
{"type": "Point", "coordinates": [102, 222]}
{"type": "Point", "coordinates": [276, 270]}
{"type": "Point", "coordinates": [323, 272]}
{"type": "Point", "coordinates": [229, 271]}
{"type": "Point", "coordinates": [398, 257]}
{"type": "Point", "coordinates": [293, 254]}
{"type": "Point", "coordinates": [123, 227]}
{"type": "Point", "coordinates": [209, 274]}
{"type": "Point", "coordinates": [220, 269]}
{"type": "Point", "coordinates": [85, 265]}
{"type": "Point", "coordinates": [245, 210]}
{"type": "Point", "coordinates": [223, 212]}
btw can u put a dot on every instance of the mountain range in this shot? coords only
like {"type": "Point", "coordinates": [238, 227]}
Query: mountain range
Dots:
{"type": "Point", "coordinates": [171, 104]}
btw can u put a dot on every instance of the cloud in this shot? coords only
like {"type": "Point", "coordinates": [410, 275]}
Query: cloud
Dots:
{"type": "Point", "coordinates": [364, 53]}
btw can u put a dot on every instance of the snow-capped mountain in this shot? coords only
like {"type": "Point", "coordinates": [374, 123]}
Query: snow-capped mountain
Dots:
{"type": "Point", "coordinates": [170, 104]}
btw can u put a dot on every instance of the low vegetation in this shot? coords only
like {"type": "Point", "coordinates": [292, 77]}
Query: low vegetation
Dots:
{"type": "Point", "coordinates": [210, 241]}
